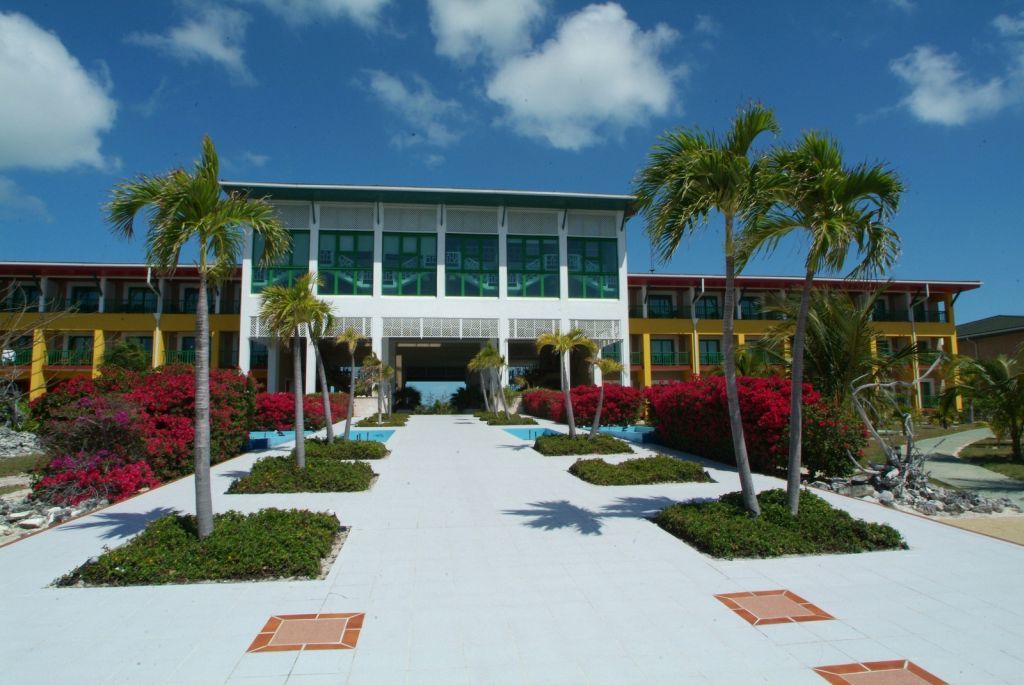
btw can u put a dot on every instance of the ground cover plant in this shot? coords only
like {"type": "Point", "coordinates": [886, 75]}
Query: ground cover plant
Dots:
{"type": "Point", "coordinates": [723, 528]}
{"type": "Point", "coordinates": [393, 421]}
{"type": "Point", "coordinates": [657, 469]}
{"type": "Point", "coordinates": [280, 474]}
{"type": "Point", "coordinates": [562, 445]}
{"type": "Point", "coordinates": [345, 449]}
{"type": "Point", "coordinates": [994, 455]}
{"type": "Point", "coordinates": [499, 419]}
{"type": "Point", "coordinates": [269, 544]}
{"type": "Point", "coordinates": [622, 406]}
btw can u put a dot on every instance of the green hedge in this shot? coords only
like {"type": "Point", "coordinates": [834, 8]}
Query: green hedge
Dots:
{"type": "Point", "coordinates": [393, 421]}
{"type": "Point", "coordinates": [317, 448]}
{"type": "Point", "coordinates": [657, 469]}
{"type": "Point", "coordinates": [279, 474]}
{"type": "Point", "coordinates": [499, 419]}
{"type": "Point", "coordinates": [723, 528]}
{"type": "Point", "coordinates": [561, 445]}
{"type": "Point", "coordinates": [272, 543]}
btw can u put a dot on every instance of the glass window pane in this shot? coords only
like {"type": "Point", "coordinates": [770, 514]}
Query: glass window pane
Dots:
{"type": "Point", "coordinates": [300, 248]}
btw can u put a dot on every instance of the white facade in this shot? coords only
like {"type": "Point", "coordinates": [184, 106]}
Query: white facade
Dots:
{"type": "Point", "coordinates": [384, 319]}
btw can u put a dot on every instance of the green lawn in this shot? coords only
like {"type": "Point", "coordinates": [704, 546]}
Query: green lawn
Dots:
{"type": "Point", "coordinates": [873, 452]}
{"type": "Point", "coordinates": [994, 456]}
{"type": "Point", "coordinates": [13, 466]}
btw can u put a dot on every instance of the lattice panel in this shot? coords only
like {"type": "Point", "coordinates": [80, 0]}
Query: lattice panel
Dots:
{"type": "Point", "coordinates": [438, 327]}
{"type": "Point", "coordinates": [360, 324]}
{"type": "Point", "coordinates": [530, 329]}
{"type": "Point", "coordinates": [598, 330]}
{"type": "Point", "coordinates": [257, 329]}
{"type": "Point", "coordinates": [479, 328]}
{"type": "Point", "coordinates": [399, 327]}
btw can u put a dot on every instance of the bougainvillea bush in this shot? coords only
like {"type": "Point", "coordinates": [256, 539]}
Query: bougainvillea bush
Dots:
{"type": "Point", "coordinates": [622, 406]}
{"type": "Point", "coordinates": [275, 411]}
{"type": "Point", "coordinates": [692, 416]}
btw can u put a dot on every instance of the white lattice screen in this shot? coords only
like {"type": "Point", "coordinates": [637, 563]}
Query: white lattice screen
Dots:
{"type": "Point", "coordinates": [360, 324]}
{"type": "Point", "coordinates": [602, 331]}
{"type": "Point", "coordinates": [437, 327]}
{"type": "Point", "coordinates": [530, 329]}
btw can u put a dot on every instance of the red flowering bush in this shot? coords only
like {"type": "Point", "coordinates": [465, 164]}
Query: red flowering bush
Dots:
{"type": "Point", "coordinates": [275, 411]}
{"type": "Point", "coordinates": [60, 395]}
{"type": "Point", "coordinates": [72, 479]}
{"type": "Point", "coordinates": [622, 406]}
{"type": "Point", "coordinates": [692, 416]}
{"type": "Point", "coordinates": [547, 404]}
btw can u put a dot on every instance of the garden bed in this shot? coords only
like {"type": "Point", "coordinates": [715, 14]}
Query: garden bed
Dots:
{"type": "Point", "coordinates": [722, 528]}
{"type": "Point", "coordinates": [657, 469]}
{"type": "Point", "coordinates": [393, 421]}
{"type": "Point", "coordinates": [267, 545]}
{"type": "Point", "coordinates": [499, 419]}
{"type": "Point", "coordinates": [562, 445]}
{"type": "Point", "coordinates": [318, 448]}
{"type": "Point", "coordinates": [279, 474]}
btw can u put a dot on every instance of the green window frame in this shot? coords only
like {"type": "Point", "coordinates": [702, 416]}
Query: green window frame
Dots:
{"type": "Point", "coordinates": [22, 297]}
{"type": "Point", "coordinates": [285, 270]}
{"type": "Point", "coordinates": [593, 268]}
{"type": "Point", "coordinates": [663, 347]}
{"type": "Point", "coordinates": [532, 266]}
{"type": "Point", "coordinates": [707, 308]}
{"type": "Point", "coordinates": [750, 307]}
{"type": "Point", "coordinates": [345, 263]}
{"type": "Point", "coordinates": [471, 265]}
{"type": "Point", "coordinates": [659, 307]}
{"type": "Point", "coordinates": [710, 351]}
{"type": "Point", "coordinates": [409, 264]}
{"type": "Point", "coordinates": [85, 298]}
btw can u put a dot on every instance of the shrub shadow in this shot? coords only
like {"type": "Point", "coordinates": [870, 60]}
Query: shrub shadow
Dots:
{"type": "Point", "coordinates": [119, 524]}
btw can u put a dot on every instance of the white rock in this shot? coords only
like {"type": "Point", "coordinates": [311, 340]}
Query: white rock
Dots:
{"type": "Point", "coordinates": [34, 522]}
{"type": "Point", "coordinates": [19, 515]}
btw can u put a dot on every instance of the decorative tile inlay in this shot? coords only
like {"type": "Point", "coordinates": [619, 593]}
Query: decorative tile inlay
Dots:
{"type": "Point", "coordinates": [295, 632]}
{"type": "Point", "coordinates": [765, 607]}
{"type": "Point", "coordinates": [899, 672]}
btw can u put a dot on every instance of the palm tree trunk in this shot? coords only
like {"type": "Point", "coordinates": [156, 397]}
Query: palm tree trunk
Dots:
{"type": "Point", "coordinates": [732, 396]}
{"type": "Point", "coordinates": [322, 373]}
{"type": "Point", "coordinates": [300, 419]}
{"type": "Point", "coordinates": [380, 398]}
{"type": "Point", "coordinates": [201, 438]}
{"type": "Point", "coordinates": [796, 400]}
{"type": "Point", "coordinates": [569, 416]}
{"type": "Point", "coordinates": [351, 393]}
{"type": "Point", "coordinates": [501, 391]}
{"type": "Point", "coordinates": [597, 413]}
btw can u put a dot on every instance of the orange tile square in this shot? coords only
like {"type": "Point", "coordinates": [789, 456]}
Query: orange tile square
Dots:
{"type": "Point", "coordinates": [294, 632]}
{"type": "Point", "coordinates": [878, 673]}
{"type": "Point", "coordinates": [767, 607]}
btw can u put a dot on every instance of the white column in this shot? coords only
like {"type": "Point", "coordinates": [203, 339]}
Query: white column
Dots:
{"type": "Point", "coordinates": [643, 300]}
{"type": "Point", "coordinates": [563, 259]}
{"type": "Point", "coordinates": [441, 258]}
{"type": "Point", "coordinates": [502, 253]}
{"type": "Point", "coordinates": [597, 371]}
{"type": "Point", "coordinates": [314, 246]}
{"type": "Point", "coordinates": [378, 249]}
{"type": "Point", "coordinates": [310, 366]}
{"type": "Point", "coordinates": [503, 349]}
{"type": "Point", "coordinates": [627, 372]}
{"type": "Point", "coordinates": [377, 336]}
{"type": "Point", "coordinates": [244, 360]}
{"type": "Point", "coordinates": [103, 294]}
{"type": "Point", "coordinates": [43, 283]}
{"type": "Point", "coordinates": [273, 362]}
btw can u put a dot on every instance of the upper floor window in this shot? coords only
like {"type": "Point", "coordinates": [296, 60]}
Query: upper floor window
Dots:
{"type": "Point", "coordinates": [21, 297]}
{"type": "Point", "coordinates": [471, 265]}
{"type": "Point", "coordinates": [707, 308]}
{"type": "Point", "coordinates": [410, 264]}
{"type": "Point", "coordinates": [750, 307]}
{"type": "Point", "coordinates": [345, 263]}
{"type": "Point", "coordinates": [532, 266]}
{"type": "Point", "coordinates": [593, 268]}
{"type": "Point", "coordinates": [285, 270]}
{"type": "Point", "coordinates": [659, 306]}
{"type": "Point", "coordinates": [85, 298]}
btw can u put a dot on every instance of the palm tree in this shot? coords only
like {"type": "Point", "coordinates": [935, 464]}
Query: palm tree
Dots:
{"type": "Point", "coordinates": [478, 364]}
{"type": "Point", "coordinates": [996, 386]}
{"type": "Point", "coordinates": [385, 374]}
{"type": "Point", "coordinates": [690, 175]}
{"type": "Point", "coordinates": [351, 341]}
{"type": "Point", "coordinates": [563, 345]}
{"type": "Point", "coordinates": [839, 208]}
{"type": "Point", "coordinates": [318, 332]}
{"type": "Point", "coordinates": [489, 363]}
{"type": "Point", "coordinates": [181, 207]}
{"type": "Point", "coordinates": [286, 311]}
{"type": "Point", "coordinates": [607, 367]}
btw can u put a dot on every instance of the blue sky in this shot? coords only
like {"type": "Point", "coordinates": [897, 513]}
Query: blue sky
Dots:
{"type": "Point", "coordinates": [534, 94]}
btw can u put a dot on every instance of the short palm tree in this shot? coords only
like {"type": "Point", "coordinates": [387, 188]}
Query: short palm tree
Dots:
{"type": "Point", "coordinates": [839, 208]}
{"type": "Point", "coordinates": [692, 174]}
{"type": "Point", "coordinates": [350, 339]}
{"type": "Point", "coordinates": [996, 386]}
{"type": "Point", "coordinates": [489, 363]}
{"type": "Point", "coordinates": [478, 365]}
{"type": "Point", "coordinates": [286, 311]}
{"type": "Point", "coordinates": [607, 367]}
{"type": "Point", "coordinates": [563, 344]}
{"type": "Point", "coordinates": [181, 207]}
{"type": "Point", "coordinates": [318, 331]}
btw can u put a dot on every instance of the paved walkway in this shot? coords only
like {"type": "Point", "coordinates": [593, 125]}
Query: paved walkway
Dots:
{"type": "Point", "coordinates": [948, 468]}
{"type": "Point", "coordinates": [476, 560]}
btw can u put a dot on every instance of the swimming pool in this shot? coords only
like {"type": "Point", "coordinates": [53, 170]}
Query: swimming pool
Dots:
{"type": "Point", "coordinates": [631, 433]}
{"type": "Point", "coordinates": [261, 440]}
{"type": "Point", "coordinates": [530, 433]}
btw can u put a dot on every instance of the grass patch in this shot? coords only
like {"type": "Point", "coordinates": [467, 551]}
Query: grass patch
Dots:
{"type": "Point", "coordinates": [561, 445]}
{"type": "Point", "coordinates": [395, 420]}
{"type": "Point", "coordinates": [994, 456]}
{"type": "Point", "coordinates": [317, 448]}
{"type": "Point", "coordinates": [499, 419]}
{"type": "Point", "coordinates": [272, 543]}
{"type": "Point", "coordinates": [873, 451]}
{"type": "Point", "coordinates": [14, 466]}
{"type": "Point", "coordinates": [657, 469]}
{"type": "Point", "coordinates": [8, 489]}
{"type": "Point", "coordinates": [723, 529]}
{"type": "Point", "coordinates": [279, 474]}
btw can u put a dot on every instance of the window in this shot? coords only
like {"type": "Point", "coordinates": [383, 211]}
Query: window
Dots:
{"type": "Point", "coordinates": [80, 343]}
{"type": "Point", "coordinates": [85, 298]}
{"type": "Point", "coordinates": [410, 264]}
{"type": "Point", "coordinates": [593, 268]}
{"type": "Point", "coordinates": [22, 297]}
{"type": "Point", "coordinates": [285, 270]}
{"type": "Point", "coordinates": [345, 261]}
{"type": "Point", "coordinates": [707, 308]}
{"type": "Point", "coordinates": [192, 298]}
{"type": "Point", "coordinates": [141, 301]}
{"type": "Point", "coordinates": [471, 265]}
{"type": "Point", "coordinates": [143, 341]}
{"type": "Point", "coordinates": [710, 351]}
{"type": "Point", "coordinates": [659, 306]}
{"type": "Point", "coordinates": [750, 307]}
{"type": "Point", "coordinates": [884, 346]}
{"type": "Point", "coordinates": [532, 266]}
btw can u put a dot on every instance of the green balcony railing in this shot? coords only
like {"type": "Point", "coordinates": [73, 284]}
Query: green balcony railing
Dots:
{"type": "Point", "coordinates": [69, 358]}
{"type": "Point", "coordinates": [927, 357]}
{"type": "Point", "coordinates": [635, 358]}
{"type": "Point", "coordinates": [710, 358]}
{"type": "Point", "coordinates": [180, 357]}
{"type": "Point", "coordinates": [133, 306]}
{"type": "Point", "coordinates": [670, 359]}
{"type": "Point", "coordinates": [612, 354]}
{"type": "Point", "coordinates": [16, 357]}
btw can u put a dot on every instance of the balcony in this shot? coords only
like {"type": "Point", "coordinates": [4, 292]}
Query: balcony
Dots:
{"type": "Point", "coordinates": [670, 359]}
{"type": "Point", "coordinates": [927, 357]}
{"type": "Point", "coordinates": [180, 357]}
{"type": "Point", "coordinates": [258, 360]}
{"type": "Point", "coordinates": [17, 357]}
{"type": "Point", "coordinates": [612, 354]}
{"type": "Point", "coordinates": [130, 306]}
{"type": "Point", "coordinates": [636, 358]}
{"type": "Point", "coordinates": [69, 358]}
{"type": "Point", "coordinates": [710, 358]}
{"type": "Point", "coordinates": [931, 316]}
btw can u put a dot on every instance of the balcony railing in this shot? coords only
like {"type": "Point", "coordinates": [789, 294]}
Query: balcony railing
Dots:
{"type": "Point", "coordinates": [927, 357]}
{"type": "Point", "coordinates": [114, 306]}
{"type": "Point", "coordinates": [68, 358]}
{"type": "Point", "coordinates": [710, 358]}
{"type": "Point", "coordinates": [16, 357]}
{"type": "Point", "coordinates": [898, 315]}
{"type": "Point", "coordinates": [180, 357]}
{"type": "Point", "coordinates": [931, 316]}
{"type": "Point", "coordinates": [670, 359]}
{"type": "Point", "coordinates": [612, 354]}
{"type": "Point", "coordinates": [636, 358]}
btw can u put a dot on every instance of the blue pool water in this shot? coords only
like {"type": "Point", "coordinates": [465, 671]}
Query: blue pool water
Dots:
{"type": "Point", "coordinates": [631, 433]}
{"type": "Point", "coordinates": [432, 391]}
{"type": "Point", "coordinates": [529, 433]}
{"type": "Point", "coordinates": [264, 439]}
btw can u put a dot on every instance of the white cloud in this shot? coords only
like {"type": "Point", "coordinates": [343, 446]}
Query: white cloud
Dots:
{"type": "Point", "coordinates": [53, 111]}
{"type": "Point", "coordinates": [941, 93]}
{"type": "Point", "coordinates": [366, 13]}
{"type": "Point", "coordinates": [905, 5]}
{"type": "Point", "coordinates": [215, 33]}
{"type": "Point", "coordinates": [431, 118]}
{"type": "Point", "coordinates": [467, 29]}
{"type": "Point", "coordinates": [600, 74]}
{"type": "Point", "coordinates": [1009, 26]}
{"type": "Point", "coordinates": [16, 204]}
{"type": "Point", "coordinates": [151, 105]}
{"type": "Point", "coordinates": [255, 159]}
{"type": "Point", "coordinates": [707, 25]}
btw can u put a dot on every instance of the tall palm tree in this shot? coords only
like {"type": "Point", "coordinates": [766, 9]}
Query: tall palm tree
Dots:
{"type": "Point", "coordinates": [607, 367]}
{"type": "Point", "coordinates": [690, 175]}
{"type": "Point", "coordinates": [318, 331]}
{"type": "Point", "coordinates": [996, 386]}
{"type": "Point", "coordinates": [286, 311]}
{"type": "Point", "coordinates": [489, 363]}
{"type": "Point", "coordinates": [478, 364]}
{"type": "Point", "coordinates": [839, 208]}
{"type": "Point", "coordinates": [563, 344]}
{"type": "Point", "coordinates": [351, 341]}
{"type": "Point", "coordinates": [182, 207]}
